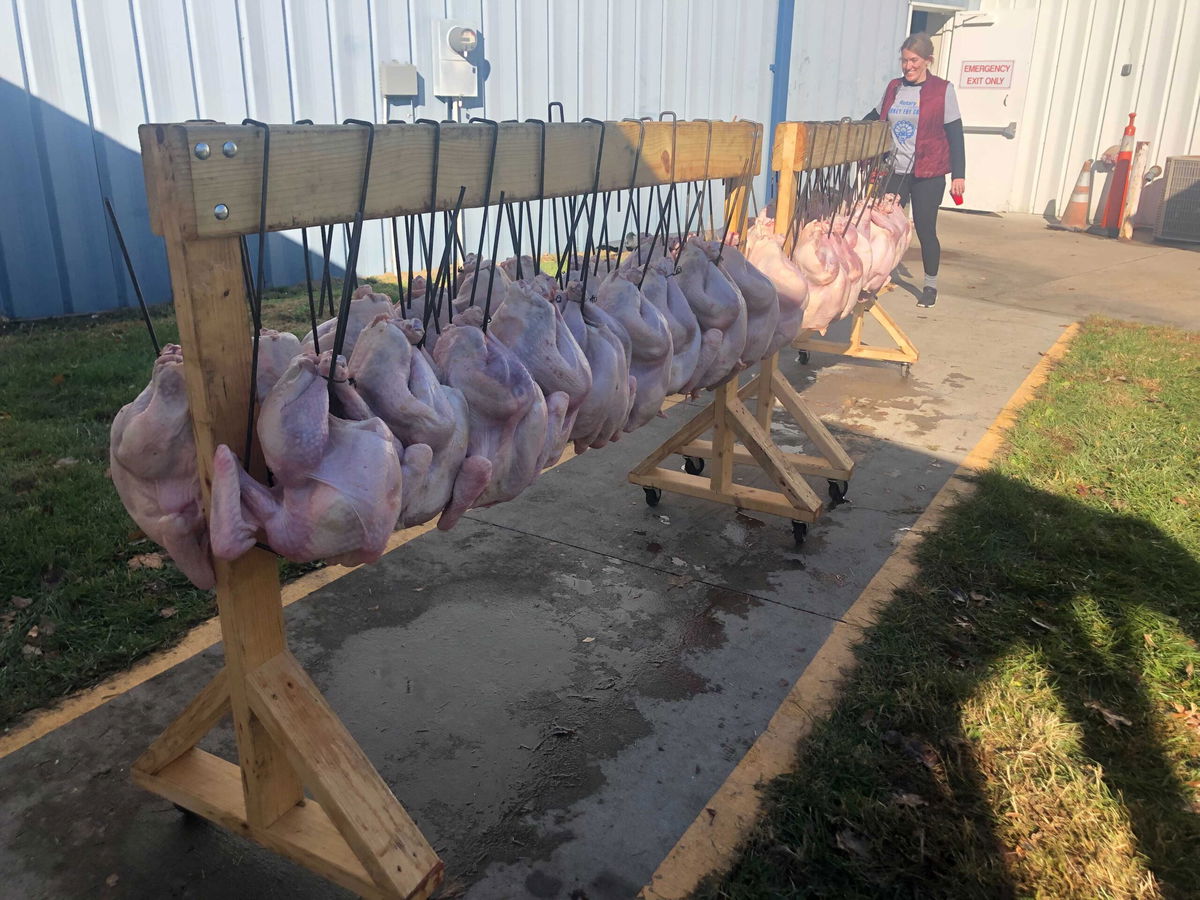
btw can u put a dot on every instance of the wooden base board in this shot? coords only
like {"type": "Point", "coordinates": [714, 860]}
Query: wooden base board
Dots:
{"type": "Point", "coordinates": [211, 787]}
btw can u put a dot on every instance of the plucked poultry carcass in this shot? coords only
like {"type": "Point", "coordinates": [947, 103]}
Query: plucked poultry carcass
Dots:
{"type": "Point", "coordinates": [718, 304]}
{"type": "Point", "coordinates": [338, 483]}
{"type": "Point", "coordinates": [650, 342]}
{"type": "Point", "coordinates": [509, 423]}
{"type": "Point", "coordinates": [603, 414]}
{"type": "Point", "coordinates": [844, 239]}
{"type": "Point", "coordinates": [474, 281]}
{"type": "Point", "coordinates": [152, 457]}
{"type": "Point", "coordinates": [819, 261]}
{"type": "Point", "coordinates": [691, 350]}
{"type": "Point", "coordinates": [398, 384]}
{"type": "Point", "coordinates": [365, 305]}
{"type": "Point", "coordinates": [531, 325]}
{"type": "Point", "coordinates": [275, 351]}
{"type": "Point", "coordinates": [883, 250]}
{"type": "Point", "coordinates": [519, 269]}
{"type": "Point", "coordinates": [762, 303]}
{"type": "Point", "coordinates": [764, 251]}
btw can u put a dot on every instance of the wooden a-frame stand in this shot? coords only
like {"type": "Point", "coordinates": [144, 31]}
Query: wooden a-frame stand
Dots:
{"type": "Point", "coordinates": [801, 146]}
{"type": "Point", "coordinates": [744, 438]}
{"type": "Point", "coordinates": [301, 786]}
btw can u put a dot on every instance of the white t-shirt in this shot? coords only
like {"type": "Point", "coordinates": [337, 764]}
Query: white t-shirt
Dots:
{"type": "Point", "coordinates": [902, 118]}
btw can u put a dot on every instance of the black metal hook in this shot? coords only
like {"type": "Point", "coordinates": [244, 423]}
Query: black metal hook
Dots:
{"type": "Point", "coordinates": [256, 300]}
{"type": "Point", "coordinates": [637, 161]}
{"type": "Point", "coordinates": [587, 251]}
{"type": "Point", "coordinates": [339, 339]}
{"type": "Point", "coordinates": [541, 194]}
{"type": "Point", "coordinates": [562, 113]}
{"type": "Point", "coordinates": [487, 199]}
{"type": "Point", "coordinates": [137, 287]}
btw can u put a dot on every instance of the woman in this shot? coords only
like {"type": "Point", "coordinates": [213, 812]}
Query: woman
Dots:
{"type": "Point", "coordinates": [922, 111]}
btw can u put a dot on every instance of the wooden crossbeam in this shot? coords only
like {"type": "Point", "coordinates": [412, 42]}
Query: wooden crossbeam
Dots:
{"type": "Point", "coordinates": [316, 170]}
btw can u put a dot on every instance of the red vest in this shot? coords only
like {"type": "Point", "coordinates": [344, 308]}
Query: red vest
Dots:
{"type": "Point", "coordinates": [932, 156]}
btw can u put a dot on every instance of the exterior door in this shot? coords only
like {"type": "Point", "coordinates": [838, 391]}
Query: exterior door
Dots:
{"type": "Point", "coordinates": [987, 57]}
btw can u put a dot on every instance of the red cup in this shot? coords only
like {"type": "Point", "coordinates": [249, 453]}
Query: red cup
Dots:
{"type": "Point", "coordinates": [958, 198]}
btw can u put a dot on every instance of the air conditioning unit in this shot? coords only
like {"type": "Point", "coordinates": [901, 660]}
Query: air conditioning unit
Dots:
{"type": "Point", "coordinates": [1179, 216]}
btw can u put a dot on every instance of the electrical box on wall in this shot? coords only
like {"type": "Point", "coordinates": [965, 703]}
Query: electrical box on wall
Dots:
{"type": "Point", "coordinates": [397, 79]}
{"type": "Point", "coordinates": [454, 45]}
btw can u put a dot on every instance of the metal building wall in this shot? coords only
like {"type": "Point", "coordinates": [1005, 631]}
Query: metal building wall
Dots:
{"type": "Point", "coordinates": [78, 76]}
{"type": "Point", "coordinates": [1079, 102]}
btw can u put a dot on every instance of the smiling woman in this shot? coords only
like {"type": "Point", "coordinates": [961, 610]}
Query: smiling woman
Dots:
{"type": "Point", "coordinates": [922, 110]}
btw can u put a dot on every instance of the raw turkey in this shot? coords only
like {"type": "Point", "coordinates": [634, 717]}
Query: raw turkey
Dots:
{"type": "Point", "coordinates": [605, 410]}
{"type": "Point", "coordinates": [532, 327]}
{"type": "Point", "coordinates": [338, 483]}
{"type": "Point", "coordinates": [851, 265]}
{"type": "Point", "coordinates": [818, 258]}
{"type": "Point", "coordinates": [650, 342]}
{"type": "Point", "coordinates": [275, 351]}
{"type": "Point", "coordinates": [762, 303]}
{"type": "Point", "coordinates": [765, 252]}
{"type": "Point", "coordinates": [509, 424]}
{"type": "Point", "coordinates": [398, 384]}
{"type": "Point", "coordinates": [365, 305]}
{"type": "Point", "coordinates": [689, 349]}
{"type": "Point", "coordinates": [718, 304]}
{"type": "Point", "coordinates": [152, 457]}
{"type": "Point", "coordinates": [482, 273]}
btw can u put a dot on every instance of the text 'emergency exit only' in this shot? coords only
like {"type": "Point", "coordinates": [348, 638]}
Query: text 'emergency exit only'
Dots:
{"type": "Point", "coordinates": [989, 73]}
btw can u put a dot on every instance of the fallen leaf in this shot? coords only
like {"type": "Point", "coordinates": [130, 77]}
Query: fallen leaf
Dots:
{"type": "Point", "coordinates": [167, 612]}
{"type": "Point", "coordinates": [676, 581]}
{"type": "Point", "coordinates": [32, 634]}
{"type": "Point", "coordinates": [47, 627]}
{"type": "Point", "coordinates": [588, 640]}
{"type": "Point", "coordinates": [64, 462]}
{"type": "Point", "coordinates": [850, 842]}
{"type": "Point", "coordinates": [112, 879]}
{"type": "Point", "coordinates": [147, 561]}
{"type": "Point", "coordinates": [1182, 501]}
{"type": "Point", "coordinates": [1149, 639]}
{"type": "Point", "coordinates": [1190, 670]}
{"type": "Point", "coordinates": [6, 621]}
{"type": "Point", "coordinates": [1112, 719]}
{"type": "Point", "coordinates": [136, 535]}
{"type": "Point", "coordinates": [20, 602]}
{"type": "Point", "coordinates": [29, 651]}
{"type": "Point", "coordinates": [910, 800]}
{"type": "Point", "coordinates": [1036, 621]}
{"type": "Point", "coordinates": [58, 379]}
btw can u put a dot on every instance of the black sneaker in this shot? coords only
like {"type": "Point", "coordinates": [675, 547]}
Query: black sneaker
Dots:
{"type": "Point", "coordinates": [928, 298]}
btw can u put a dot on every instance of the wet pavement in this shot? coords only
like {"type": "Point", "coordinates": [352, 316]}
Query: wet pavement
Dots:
{"type": "Point", "coordinates": [555, 688]}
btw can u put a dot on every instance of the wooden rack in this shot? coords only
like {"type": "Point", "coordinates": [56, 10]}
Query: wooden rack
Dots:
{"type": "Point", "coordinates": [804, 146]}
{"type": "Point", "coordinates": [349, 827]}
{"type": "Point", "coordinates": [743, 438]}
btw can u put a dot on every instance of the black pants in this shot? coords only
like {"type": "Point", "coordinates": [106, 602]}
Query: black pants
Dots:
{"type": "Point", "coordinates": [926, 195]}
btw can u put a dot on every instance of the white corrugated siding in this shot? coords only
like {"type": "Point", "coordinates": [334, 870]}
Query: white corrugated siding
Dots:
{"type": "Point", "coordinates": [1078, 101]}
{"type": "Point", "coordinates": [78, 76]}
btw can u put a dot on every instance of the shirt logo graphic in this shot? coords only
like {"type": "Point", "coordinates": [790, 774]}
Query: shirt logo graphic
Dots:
{"type": "Point", "coordinates": [904, 132]}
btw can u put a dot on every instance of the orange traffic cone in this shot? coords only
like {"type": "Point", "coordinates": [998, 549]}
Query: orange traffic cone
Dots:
{"type": "Point", "coordinates": [1075, 216]}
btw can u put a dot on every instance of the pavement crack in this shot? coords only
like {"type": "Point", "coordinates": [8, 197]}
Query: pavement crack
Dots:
{"type": "Point", "coordinates": [658, 569]}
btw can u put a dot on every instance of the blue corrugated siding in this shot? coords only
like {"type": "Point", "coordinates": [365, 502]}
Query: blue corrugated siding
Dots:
{"type": "Point", "coordinates": [78, 76]}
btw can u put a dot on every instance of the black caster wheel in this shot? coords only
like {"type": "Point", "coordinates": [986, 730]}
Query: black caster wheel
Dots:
{"type": "Point", "coordinates": [905, 369]}
{"type": "Point", "coordinates": [837, 491]}
{"type": "Point", "coordinates": [693, 465]}
{"type": "Point", "coordinates": [799, 531]}
{"type": "Point", "coordinates": [802, 357]}
{"type": "Point", "coordinates": [653, 495]}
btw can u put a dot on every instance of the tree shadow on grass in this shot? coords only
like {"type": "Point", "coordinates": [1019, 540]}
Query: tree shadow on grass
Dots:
{"type": "Point", "coordinates": [1010, 726]}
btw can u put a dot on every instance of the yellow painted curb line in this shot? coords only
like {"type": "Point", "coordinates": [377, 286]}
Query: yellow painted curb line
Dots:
{"type": "Point", "coordinates": [39, 724]}
{"type": "Point", "coordinates": [712, 842]}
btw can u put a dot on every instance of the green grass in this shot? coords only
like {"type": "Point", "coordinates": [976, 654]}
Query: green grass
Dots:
{"type": "Point", "coordinates": [66, 539]}
{"type": "Point", "coordinates": [1023, 719]}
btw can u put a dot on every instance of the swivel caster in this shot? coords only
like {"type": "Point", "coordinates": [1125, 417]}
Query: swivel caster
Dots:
{"type": "Point", "coordinates": [653, 495]}
{"type": "Point", "coordinates": [802, 357]}
{"type": "Point", "coordinates": [188, 817]}
{"type": "Point", "coordinates": [693, 465]}
{"type": "Point", "coordinates": [799, 531]}
{"type": "Point", "coordinates": [905, 369]}
{"type": "Point", "coordinates": [837, 491]}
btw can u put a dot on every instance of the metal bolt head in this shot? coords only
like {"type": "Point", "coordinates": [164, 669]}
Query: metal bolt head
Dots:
{"type": "Point", "coordinates": [221, 211]}
{"type": "Point", "coordinates": [229, 148]}
{"type": "Point", "coordinates": [202, 150]}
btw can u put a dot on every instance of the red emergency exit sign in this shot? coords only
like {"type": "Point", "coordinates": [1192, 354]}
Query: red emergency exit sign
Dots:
{"type": "Point", "coordinates": [988, 73]}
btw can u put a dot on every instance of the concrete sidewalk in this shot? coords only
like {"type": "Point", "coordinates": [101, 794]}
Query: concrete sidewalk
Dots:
{"type": "Point", "coordinates": [555, 688]}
